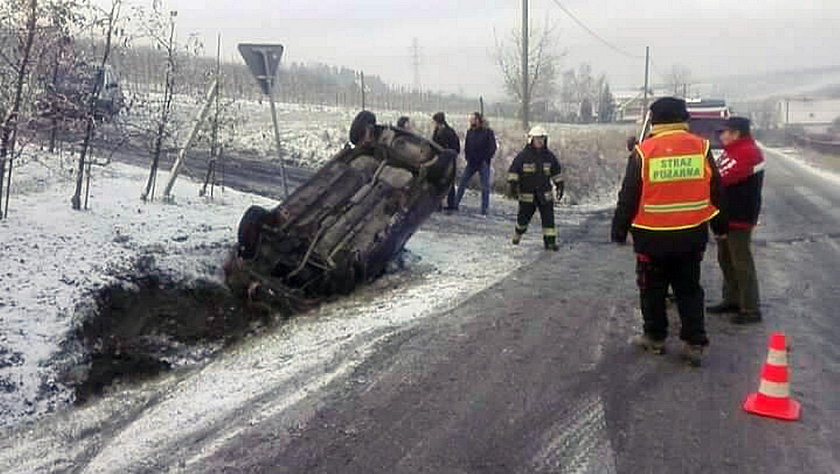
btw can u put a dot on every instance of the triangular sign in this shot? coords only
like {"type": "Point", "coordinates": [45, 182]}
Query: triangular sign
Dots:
{"type": "Point", "coordinates": [262, 60]}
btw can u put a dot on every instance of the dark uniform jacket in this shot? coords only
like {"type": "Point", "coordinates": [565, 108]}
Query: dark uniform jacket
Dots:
{"type": "Point", "coordinates": [662, 243]}
{"type": "Point", "coordinates": [447, 138]}
{"type": "Point", "coordinates": [532, 172]}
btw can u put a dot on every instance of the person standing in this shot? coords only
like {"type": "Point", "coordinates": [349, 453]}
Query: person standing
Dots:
{"type": "Point", "coordinates": [446, 137]}
{"type": "Point", "coordinates": [742, 175]}
{"type": "Point", "coordinates": [479, 149]}
{"type": "Point", "coordinates": [530, 178]}
{"type": "Point", "coordinates": [671, 192]}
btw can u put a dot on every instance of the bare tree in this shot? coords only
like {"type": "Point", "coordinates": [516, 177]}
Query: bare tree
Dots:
{"type": "Point", "coordinates": [110, 23]}
{"type": "Point", "coordinates": [165, 42]}
{"type": "Point", "coordinates": [679, 79]}
{"type": "Point", "coordinates": [606, 101]}
{"type": "Point", "coordinates": [10, 123]}
{"type": "Point", "coordinates": [543, 66]}
{"type": "Point", "coordinates": [579, 93]}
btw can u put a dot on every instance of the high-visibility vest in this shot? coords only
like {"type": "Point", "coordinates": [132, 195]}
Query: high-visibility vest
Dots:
{"type": "Point", "coordinates": [676, 182]}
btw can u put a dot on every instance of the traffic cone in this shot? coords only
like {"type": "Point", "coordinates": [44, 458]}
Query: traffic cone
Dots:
{"type": "Point", "coordinates": [773, 396]}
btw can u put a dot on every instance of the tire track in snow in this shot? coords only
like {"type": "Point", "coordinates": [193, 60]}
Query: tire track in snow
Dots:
{"type": "Point", "coordinates": [578, 444]}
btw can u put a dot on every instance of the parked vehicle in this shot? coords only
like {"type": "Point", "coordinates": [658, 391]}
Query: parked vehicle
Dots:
{"type": "Point", "coordinates": [68, 95]}
{"type": "Point", "coordinates": [707, 117]}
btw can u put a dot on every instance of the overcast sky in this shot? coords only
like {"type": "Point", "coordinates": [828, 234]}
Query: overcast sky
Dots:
{"type": "Point", "coordinates": [711, 37]}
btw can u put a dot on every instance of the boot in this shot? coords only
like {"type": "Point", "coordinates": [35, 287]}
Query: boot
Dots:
{"type": "Point", "coordinates": [693, 354]}
{"type": "Point", "coordinates": [744, 317]}
{"type": "Point", "coordinates": [517, 238]}
{"type": "Point", "coordinates": [553, 247]}
{"type": "Point", "coordinates": [648, 344]}
{"type": "Point", "coordinates": [722, 308]}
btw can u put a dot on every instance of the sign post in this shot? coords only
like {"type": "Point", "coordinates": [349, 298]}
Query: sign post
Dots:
{"type": "Point", "coordinates": [263, 61]}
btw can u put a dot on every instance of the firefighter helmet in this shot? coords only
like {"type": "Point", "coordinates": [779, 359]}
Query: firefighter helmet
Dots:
{"type": "Point", "coordinates": [537, 131]}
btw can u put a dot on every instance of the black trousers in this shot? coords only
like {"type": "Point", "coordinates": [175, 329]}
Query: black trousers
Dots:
{"type": "Point", "coordinates": [526, 213]}
{"type": "Point", "coordinates": [682, 273]}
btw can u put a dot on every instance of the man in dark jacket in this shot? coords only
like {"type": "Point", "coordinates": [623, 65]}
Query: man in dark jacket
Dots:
{"type": "Point", "coordinates": [446, 137]}
{"type": "Point", "coordinates": [479, 149]}
{"type": "Point", "coordinates": [742, 175]}
{"type": "Point", "coordinates": [530, 177]}
{"type": "Point", "coordinates": [671, 192]}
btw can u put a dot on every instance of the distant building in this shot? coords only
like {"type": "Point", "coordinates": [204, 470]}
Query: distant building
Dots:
{"type": "Point", "coordinates": [629, 105]}
{"type": "Point", "coordinates": [808, 112]}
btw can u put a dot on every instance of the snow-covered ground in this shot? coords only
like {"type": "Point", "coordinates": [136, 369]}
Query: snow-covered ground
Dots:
{"type": "Point", "coordinates": [53, 256]}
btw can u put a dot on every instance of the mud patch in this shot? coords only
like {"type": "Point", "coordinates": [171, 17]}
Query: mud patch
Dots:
{"type": "Point", "coordinates": [142, 326]}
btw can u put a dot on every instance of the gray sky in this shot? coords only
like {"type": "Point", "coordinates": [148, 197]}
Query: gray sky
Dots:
{"type": "Point", "coordinates": [711, 37]}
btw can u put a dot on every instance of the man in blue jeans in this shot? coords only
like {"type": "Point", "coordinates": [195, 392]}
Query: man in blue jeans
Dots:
{"type": "Point", "coordinates": [479, 148]}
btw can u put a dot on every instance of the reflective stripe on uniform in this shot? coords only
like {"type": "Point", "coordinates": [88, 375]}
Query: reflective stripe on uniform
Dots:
{"type": "Point", "coordinates": [521, 228]}
{"type": "Point", "coordinates": [676, 227]}
{"type": "Point", "coordinates": [526, 197]}
{"type": "Point", "coordinates": [549, 231]}
{"type": "Point", "coordinates": [529, 168]}
{"type": "Point", "coordinates": [774, 389]}
{"type": "Point", "coordinates": [513, 176]}
{"type": "Point", "coordinates": [677, 207]}
{"type": "Point", "coordinates": [546, 168]}
{"type": "Point", "coordinates": [557, 178]}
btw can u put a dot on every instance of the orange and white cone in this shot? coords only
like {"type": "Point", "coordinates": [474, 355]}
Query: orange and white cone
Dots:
{"type": "Point", "coordinates": [773, 396]}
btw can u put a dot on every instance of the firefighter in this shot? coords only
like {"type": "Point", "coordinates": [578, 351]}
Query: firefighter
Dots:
{"type": "Point", "coordinates": [530, 177]}
{"type": "Point", "coordinates": [670, 194]}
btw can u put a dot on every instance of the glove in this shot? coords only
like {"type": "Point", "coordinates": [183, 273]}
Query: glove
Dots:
{"type": "Point", "coordinates": [561, 188]}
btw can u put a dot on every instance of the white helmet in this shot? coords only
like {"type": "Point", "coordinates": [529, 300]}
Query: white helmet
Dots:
{"type": "Point", "coordinates": [537, 131]}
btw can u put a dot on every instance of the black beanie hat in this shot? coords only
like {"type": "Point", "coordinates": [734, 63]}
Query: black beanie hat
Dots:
{"type": "Point", "coordinates": [668, 110]}
{"type": "Point", "coordinates": [439, 118]}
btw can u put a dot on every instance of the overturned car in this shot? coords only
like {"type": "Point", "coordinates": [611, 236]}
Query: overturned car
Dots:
{"type": "Point", "coordinates": [344, 226]}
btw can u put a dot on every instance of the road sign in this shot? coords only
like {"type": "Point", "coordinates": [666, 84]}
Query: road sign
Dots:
{"type": "Point", "coordinates": [263, 61]}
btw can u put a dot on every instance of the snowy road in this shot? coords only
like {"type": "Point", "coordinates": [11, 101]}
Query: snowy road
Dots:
{"type": "Point", "coordinates": [493, 359]}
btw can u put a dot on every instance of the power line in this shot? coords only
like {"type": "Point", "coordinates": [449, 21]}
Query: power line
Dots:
{"type": "Point", "coordinates": [593, 33]}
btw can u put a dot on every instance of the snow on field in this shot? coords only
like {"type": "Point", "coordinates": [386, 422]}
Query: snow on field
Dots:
{"type": "Point", "coordinates": [52, 256]}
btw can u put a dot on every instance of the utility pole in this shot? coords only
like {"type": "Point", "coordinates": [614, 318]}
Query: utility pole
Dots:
{"type": "Point", "coordinates": [647, 80]}
{"type": "Point", "coordinates": [415, 62]}
{"type": "Point", "coordinates": [363, 90]}
{"type": "Point", "coordinates": [526, 87]}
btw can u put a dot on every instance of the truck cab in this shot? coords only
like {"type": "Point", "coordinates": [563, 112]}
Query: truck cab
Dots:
{"type": "Point", "coordinates": [707, 117]}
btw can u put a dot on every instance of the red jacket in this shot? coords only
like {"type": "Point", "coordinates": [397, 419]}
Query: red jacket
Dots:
{"type": "Point", "coordinates": [742, 175]}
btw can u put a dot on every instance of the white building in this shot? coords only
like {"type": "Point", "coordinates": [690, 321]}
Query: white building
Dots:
{"type": "Point", "coordinates": [810, 112]}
